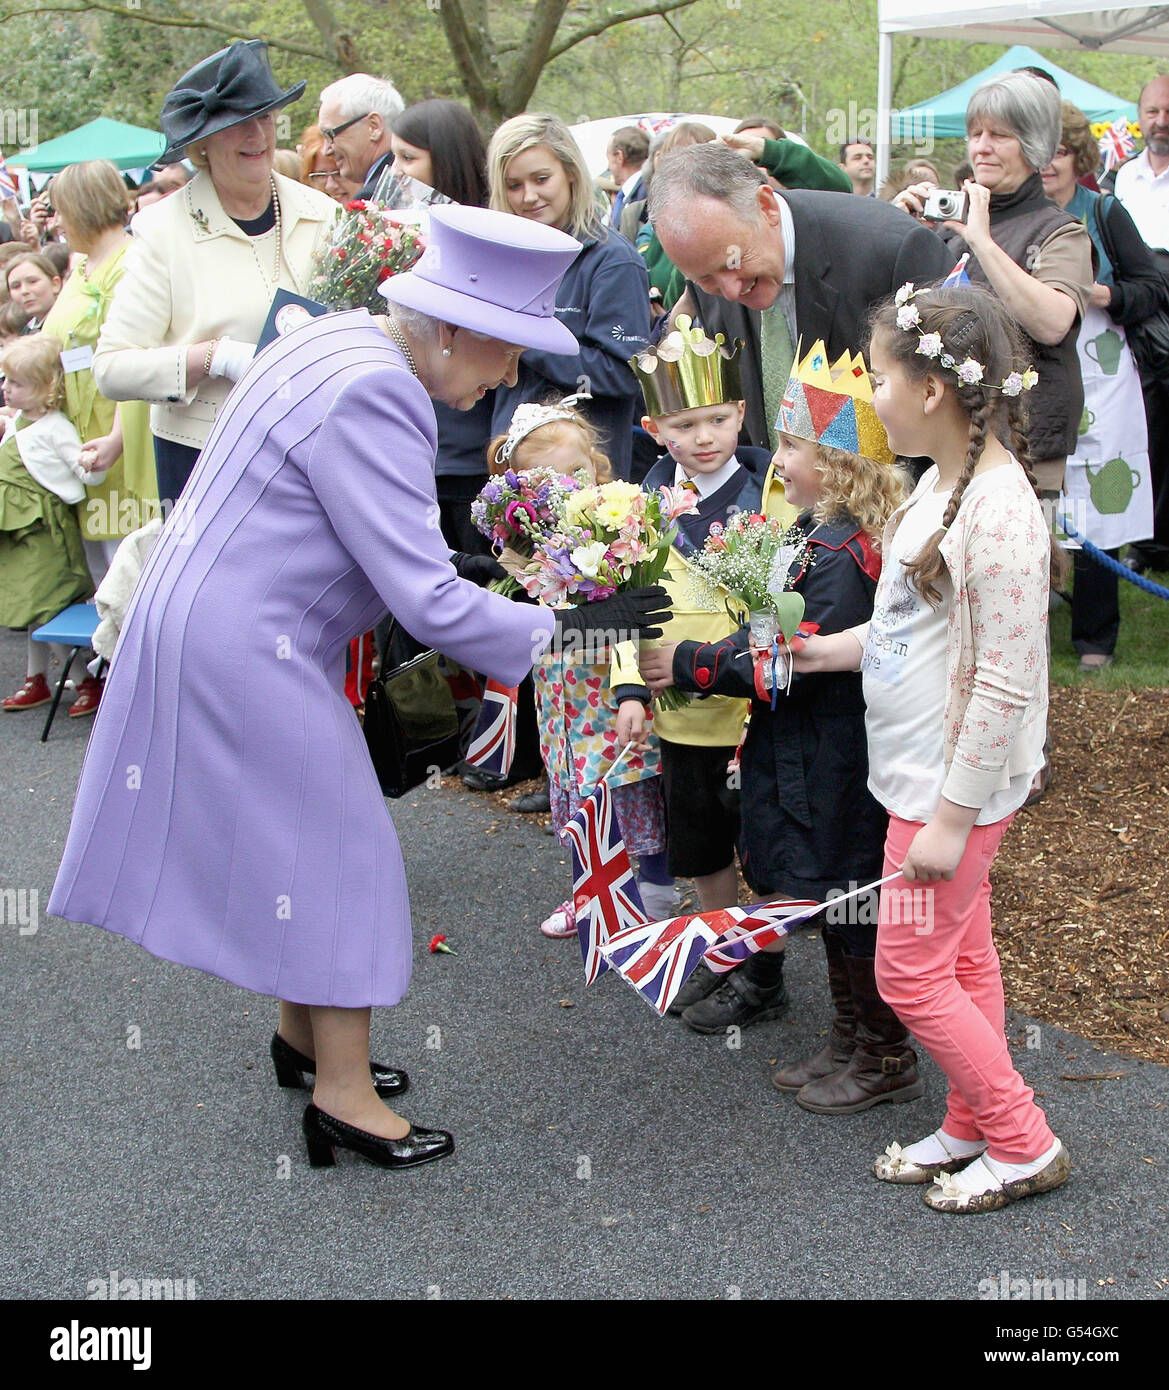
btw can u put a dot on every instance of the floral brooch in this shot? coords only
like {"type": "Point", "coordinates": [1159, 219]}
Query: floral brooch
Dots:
{"type": "Point", "coordinates": [969, 372]}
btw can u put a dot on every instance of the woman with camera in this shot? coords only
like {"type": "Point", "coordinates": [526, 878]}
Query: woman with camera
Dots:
{"type": "Point", "coordinates": [1034, 256]}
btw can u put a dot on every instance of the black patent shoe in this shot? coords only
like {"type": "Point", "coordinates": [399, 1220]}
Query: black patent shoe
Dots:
{"type": "Point", "coordinates": [324, 1135]}
{"type": "Point", "coordinates": [292, 1066]}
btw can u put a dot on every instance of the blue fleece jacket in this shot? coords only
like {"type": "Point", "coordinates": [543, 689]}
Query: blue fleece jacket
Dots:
{"type": "Point", "coordinates": [604, 300]}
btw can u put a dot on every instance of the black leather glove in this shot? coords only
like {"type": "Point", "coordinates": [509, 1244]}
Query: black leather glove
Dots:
{"type": "Point", "coordinates": [625, 617]}
{"type": "Point", "coordinates": [479, 569]}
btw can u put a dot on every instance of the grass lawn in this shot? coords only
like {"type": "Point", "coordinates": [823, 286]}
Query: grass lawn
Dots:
{"type": "Point", "coordinates": [1142, 650]}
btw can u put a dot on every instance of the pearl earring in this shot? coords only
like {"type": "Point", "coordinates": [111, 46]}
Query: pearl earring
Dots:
{"type": "Point", "coordinates": [446, 352]}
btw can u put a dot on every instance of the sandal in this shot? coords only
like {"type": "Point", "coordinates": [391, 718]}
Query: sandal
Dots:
{"type": "Point", "coordinates": [561, 924]}
{"type": "Point", "coordinates": [893, 1166]}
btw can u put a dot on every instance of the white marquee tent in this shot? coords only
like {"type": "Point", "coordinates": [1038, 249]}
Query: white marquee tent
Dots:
{"type": "Point", "coordinates": [1088, 24]}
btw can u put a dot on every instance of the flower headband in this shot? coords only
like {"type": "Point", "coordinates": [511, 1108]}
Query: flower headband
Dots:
{"type": "Point", "coordinates": [531, 416]}
{"type": "Point", "coordinates": [969, 373]}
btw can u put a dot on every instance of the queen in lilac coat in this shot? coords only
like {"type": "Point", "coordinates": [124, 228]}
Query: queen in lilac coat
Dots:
{"type": "Point", "coordinates": [228, 816]}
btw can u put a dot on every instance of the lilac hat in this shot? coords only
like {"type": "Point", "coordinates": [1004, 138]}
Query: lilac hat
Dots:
{"type": "Point", "coordinates": [492, 272]}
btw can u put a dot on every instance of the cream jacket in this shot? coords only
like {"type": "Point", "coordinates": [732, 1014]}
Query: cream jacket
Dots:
{"type": "Point", "coordinates": [191, 275]}
{"type": "Point", "coordinates": [997, 552]}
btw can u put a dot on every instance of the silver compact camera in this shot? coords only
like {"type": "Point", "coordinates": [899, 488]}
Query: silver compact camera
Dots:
{"type": "Point", "coordinates": [945, 205]}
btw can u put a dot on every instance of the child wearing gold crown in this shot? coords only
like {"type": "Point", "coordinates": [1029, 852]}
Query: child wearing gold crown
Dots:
{"type": "Point", "coordinates": [810, 825]}
{"type": "Point", "coordinates": [695, 411]}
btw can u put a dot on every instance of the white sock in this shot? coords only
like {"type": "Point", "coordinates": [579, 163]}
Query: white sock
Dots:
{"type": "Point", "coordinates": [941, 1147]}
{"type": "Point", "coordinates": [1012, 1172]}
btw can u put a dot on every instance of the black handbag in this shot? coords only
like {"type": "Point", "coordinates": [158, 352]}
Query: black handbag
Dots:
{"type": "Point", "coordinates": [411, 723]}
{"type": "Point", "coordinates": [1148, 339]}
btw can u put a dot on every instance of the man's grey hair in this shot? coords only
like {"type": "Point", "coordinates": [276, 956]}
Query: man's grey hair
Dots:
{"type": "Point", "coordinates": [709, 170]}
{"type": "Point", "coordinates": [1030, 108]}
{"type": "Point", "coordinates": [359, 95]}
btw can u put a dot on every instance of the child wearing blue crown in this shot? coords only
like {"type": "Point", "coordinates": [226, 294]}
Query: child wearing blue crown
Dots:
{"type": "Point", "coordinates": [695, 412]}
{"type": "Point", "coordinates": [810, 825]}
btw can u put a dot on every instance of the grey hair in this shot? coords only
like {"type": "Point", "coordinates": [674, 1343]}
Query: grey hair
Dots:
{"type": "Point", "coordinates": [421, 327]}
{"type": "Point", "coordinates": [1029, 107]}
{"type": "Point", "coordinates": [359, 94]}
{"type": "Point", "coordinates": [709, 170]}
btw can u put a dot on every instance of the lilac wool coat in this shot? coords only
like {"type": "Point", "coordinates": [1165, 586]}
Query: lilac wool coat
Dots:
{"type": "Point", "coordinates": [228, 816]}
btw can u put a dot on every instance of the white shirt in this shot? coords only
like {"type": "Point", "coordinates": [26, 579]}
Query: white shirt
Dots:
{"type": "Point", "coordinates": [1145, 196]}
{"type": "Point", "coordinates": [707, 483]}
{"type": "Point", "coordinates": [786, 298]}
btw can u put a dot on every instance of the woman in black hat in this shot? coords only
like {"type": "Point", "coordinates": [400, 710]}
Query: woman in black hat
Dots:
{"type": "Point", "coordinates": [206, 262]}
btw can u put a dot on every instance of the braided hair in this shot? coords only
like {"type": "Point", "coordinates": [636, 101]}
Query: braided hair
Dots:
{"type": "Point", "coordinates": [971, 323]}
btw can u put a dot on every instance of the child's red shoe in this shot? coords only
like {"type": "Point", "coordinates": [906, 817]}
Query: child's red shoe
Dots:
{"type": "Point", "coordinates": [35, 691]}
{"type": "Point", "coordinates": [88, 698]}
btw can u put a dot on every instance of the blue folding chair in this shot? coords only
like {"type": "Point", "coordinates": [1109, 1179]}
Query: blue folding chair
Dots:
{"type": "Point", "coordinates": [72, 627]}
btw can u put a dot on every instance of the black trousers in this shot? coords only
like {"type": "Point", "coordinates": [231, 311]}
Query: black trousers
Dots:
{"type": "Point", "coordinates": [1095, 605]}
{"type": "Point", "coordinates": [1155, 552]}
{"type": "Point", "coordinates": [174, 464]}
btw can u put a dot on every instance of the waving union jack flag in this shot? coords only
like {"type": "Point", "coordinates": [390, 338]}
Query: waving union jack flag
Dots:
{"type": "Point", "coordinates": [657, 958]}
{"type": "Point", "coordinates": [605, 894]}
{"type": "Point", "coordinates": [493, 742]}
{"type": "Point", "coordinates": [957, 277]}
{"type": "Point", "coordinates": [1116, 144]}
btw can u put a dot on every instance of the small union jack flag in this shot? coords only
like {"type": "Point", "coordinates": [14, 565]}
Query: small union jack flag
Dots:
{"type": "Point", "coordinates": [8, 184]}
{"type": "Point", "coordinates": [656, 958]}
{"type": "Point", "coordinates": [493, 742]}
{"type": "Point", "coordinates": [957, 277]}
{"type": "Point", "coordinates": [605, 895]}
{"type": "Point", "coordinates": [1116, 144]}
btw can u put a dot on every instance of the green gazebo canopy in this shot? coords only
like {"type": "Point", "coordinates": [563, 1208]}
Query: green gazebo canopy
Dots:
{"type": "Point", "coordinates": [127, 146]}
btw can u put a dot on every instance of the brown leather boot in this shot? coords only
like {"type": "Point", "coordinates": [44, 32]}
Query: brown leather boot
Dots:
{"type": "Point", "coordinates": [883, 1067]}
{"type": "Point", "coordinates": [839, 1047]}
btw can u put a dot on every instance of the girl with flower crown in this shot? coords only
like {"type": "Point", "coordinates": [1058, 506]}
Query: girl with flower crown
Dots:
{"type": "Point", "coordinates": [954, 662]}
{"type": "Point", "coordinates": [588, 710]}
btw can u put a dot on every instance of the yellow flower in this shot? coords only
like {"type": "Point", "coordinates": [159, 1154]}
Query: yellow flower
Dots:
{"type": "Point", "coordinates": [579, 506]}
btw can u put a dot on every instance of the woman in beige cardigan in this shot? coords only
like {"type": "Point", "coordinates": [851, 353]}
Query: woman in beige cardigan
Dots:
{"type": "Point", "coordinates": [207, 261]}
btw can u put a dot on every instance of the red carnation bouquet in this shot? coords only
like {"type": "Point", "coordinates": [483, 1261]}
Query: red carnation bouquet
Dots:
{"type": "Point", "coordinates": [365, 247]}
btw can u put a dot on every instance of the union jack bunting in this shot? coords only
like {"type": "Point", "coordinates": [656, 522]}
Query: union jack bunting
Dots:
{"type": "Point", "coordinates": [605, 896]}
{"type": "Point", "coordinates": [657, 957]}
{"type": "Point", "coordinates": [493, 742]}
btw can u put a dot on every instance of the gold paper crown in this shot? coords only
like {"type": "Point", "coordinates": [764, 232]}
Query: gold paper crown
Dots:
{"type": "Point", "coordinates": [833, 405]}
{"type": "Point", "coordinates": [687, 370]}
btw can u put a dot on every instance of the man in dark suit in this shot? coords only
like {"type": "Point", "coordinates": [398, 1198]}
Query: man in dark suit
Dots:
{"type": "Point", "coordinates": [774, 267]}
{"type": "Point", "coordinates": [356, 118]}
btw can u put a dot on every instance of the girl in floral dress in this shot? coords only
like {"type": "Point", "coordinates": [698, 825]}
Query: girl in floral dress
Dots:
{"type": "Point", "coordinates": [588, 712]}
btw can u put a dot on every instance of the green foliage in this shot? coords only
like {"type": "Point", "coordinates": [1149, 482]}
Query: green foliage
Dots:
{"type": "Point", "coordinates": [1142, 648]}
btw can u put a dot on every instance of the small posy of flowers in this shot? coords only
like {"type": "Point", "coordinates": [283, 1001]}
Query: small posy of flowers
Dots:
{"type": "Point", "coordinates": [968, 372]}
{"type": "Point", "coordinates": [520, 509]}
{"type": "Point", "coordinates": [365, 247]}
{"type": "Point", "coordinates": [611, 537]}
{"type": "Point", "coordinates": [745, 566]}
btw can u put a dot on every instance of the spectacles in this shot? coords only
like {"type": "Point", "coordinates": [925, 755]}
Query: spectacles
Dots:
{"type": "Point", "coordinates": [331, 132]}
{"type": "Point", "coordinates": [327, 174]}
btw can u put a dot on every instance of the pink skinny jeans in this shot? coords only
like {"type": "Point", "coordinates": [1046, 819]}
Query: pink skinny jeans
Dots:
{"type": "Point", "coordinates": [938, 969]}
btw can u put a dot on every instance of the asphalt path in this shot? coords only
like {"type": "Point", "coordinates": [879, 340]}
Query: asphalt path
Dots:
{"type": "Point", "coordinates": [601, 1152]}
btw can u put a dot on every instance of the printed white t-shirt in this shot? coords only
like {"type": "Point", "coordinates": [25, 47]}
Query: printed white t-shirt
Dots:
{"type": "Point", "coordinates": [905, 678]}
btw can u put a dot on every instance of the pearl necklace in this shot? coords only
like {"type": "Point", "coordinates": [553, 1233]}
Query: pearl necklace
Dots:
{"type": "Point", "coordinates": [396, 333]}
{"type": "Point", "coordinates": [279, 248]}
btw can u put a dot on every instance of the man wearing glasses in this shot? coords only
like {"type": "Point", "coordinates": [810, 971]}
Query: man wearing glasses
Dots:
{"type": "Point", "coordinates": [355, 118]}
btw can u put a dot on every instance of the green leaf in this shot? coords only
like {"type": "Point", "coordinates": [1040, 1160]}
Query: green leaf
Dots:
{"type": "Point", "coordinates": [789, 608]}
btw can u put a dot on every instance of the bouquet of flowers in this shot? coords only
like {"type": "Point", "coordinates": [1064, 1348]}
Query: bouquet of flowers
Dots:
{"type": "Point", "coordinates": [519, 510]}
{"type": "Point", "coordinates": [611, 537]}
{"type": "Point", "coordinates": [364, 248]}
{"type": "Point", "coordinates": [745, 568]}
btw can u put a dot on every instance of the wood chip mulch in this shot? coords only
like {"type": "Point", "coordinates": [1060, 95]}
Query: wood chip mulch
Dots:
{"type": "Point", "coordinates": [1081, 882]}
